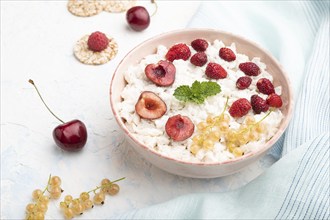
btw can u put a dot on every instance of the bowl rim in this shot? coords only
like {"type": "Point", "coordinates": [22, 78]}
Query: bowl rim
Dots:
{"type": "Point", "coordinates": [260, 151]}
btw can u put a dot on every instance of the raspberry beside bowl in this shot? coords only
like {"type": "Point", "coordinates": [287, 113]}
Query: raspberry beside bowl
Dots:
{"type": "Point", "coordinates": [200, 169]}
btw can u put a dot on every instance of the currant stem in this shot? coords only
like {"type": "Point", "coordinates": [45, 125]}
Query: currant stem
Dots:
{"type": "Point", "coordinates": [156, 7]}
{"type": "Point", "coordinates": [102, 186]}
{"type": "Point", "coordinates": [31, 81]}
{"type": "Point", "coordinates": [250, 126]}
{"type": "Point", "coordinates": [50, 176]}
{"type": "Point", "coordinates": [226, 104]}
{"type": "Point", "coordinates": [264, 117]}
{"type": "Point", "coordinates": [223, 111]}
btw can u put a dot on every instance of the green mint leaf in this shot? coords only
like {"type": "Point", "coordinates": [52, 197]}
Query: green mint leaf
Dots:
{"type": "Point", "coordinates": [210, 88]}
{"type": "Point", "coordinates": [183, 93]}
{"type": "Point", "coordinates": [197, 99]}
{"type": "Point", "coordinates": [197, 92]}
{"type": "Point", "coordinates": [196, 88]}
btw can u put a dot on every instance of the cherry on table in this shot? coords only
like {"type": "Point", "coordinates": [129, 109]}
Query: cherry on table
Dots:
{"type": "Point", "coordinates": [71, 135]}
{"type": "Point", "coordinates": [138, 17]}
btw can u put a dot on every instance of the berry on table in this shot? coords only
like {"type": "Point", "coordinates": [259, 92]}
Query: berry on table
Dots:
{"type": "Point", "coordinates": [30, 207]}
{"type": "Point", "coordinates": [38, 209]}
{"type": "Point", "coordinates": [68, 198]}
{"type": "Point", "coordinates": [75, 207]}
{"type": "Point", "coordinates": [71, 135]}
{"type": "Point", "coordinates": [55, 181]}
{"type": "Point", "coordinates": [138, 18]}
{"type": "Point", "coordinates": [114, 189]}
{"type": "Point", "coordinates": [84, 196]}
{"type": "Point", "coordinates": [36, 194]}
{"type": "Point", "coordinates": [55, 192]}
{"type": "Point", "coordinates": [68, 213]}
{"type": "Point", "coordinates": [88, 204]}
{"type": "Point", "coordinates": [99, 198]}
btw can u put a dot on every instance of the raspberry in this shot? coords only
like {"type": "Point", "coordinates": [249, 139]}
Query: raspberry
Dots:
{"type": "Point", "coordinates": [240, 108]}
{"type": "Point", "coordinates": [274, 100]}
{"type": "Point", "coordinates": [178, 51]}
{"type": "Point", "coordinates": [227, 54]}
{"type": "Point", "coordinates": [243, 82]}
{"type": "Point", "coordinates": [97, 41]}
{"type": "Point", "coordinates": [258, 104]}
{"type": "Point", "coordinates": [265, 86]}
{"type": "Point", "coordinates": [215, 71]}
{"type": "Point", "coordinates": [199, 45]}
{"type": "Point", "coordinates": [250, 68]}
{"type": "Point", "coordinates": [199, 59]}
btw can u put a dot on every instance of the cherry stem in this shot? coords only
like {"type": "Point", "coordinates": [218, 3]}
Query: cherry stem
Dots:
{"type": "Point", "coordinates": [31, 81]}
{"type": "Point", "coordinates": [105, 185]}
{"type": "Point", "coordinates": [156, 7]}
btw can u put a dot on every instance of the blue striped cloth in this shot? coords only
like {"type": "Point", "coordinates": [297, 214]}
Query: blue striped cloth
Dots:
{"type": "Point", "coordinates": [297, 185]}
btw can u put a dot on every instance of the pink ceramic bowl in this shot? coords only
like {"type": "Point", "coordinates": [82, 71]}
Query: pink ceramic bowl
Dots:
{"type": "Point", "coordinates": [189, 169]}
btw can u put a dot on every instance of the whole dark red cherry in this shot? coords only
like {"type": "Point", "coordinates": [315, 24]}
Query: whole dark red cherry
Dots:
{"type": "Point", "coordinates": [70, 136]}
{"type": "Point", "coordinates": [138, 18]}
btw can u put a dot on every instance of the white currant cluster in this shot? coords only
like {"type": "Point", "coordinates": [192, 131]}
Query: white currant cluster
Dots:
{"type": "Point", "coordinates": [39, 207]}
{"type": "Point", "coordinates": [73, 207]}
{"type": "Point", "coordinates": [215, 128]}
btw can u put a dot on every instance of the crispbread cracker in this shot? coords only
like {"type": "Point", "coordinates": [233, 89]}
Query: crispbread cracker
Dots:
{"type": "Point", "coordinates": [85, 8]}
{"type": "Point", "coordinates": [117, 5]}
{"type": "Point", "coordinates": [87, 56]}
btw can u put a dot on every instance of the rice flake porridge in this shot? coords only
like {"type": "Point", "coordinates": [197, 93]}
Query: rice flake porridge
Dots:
{"type": "Point", "coordinates": [239, 119]}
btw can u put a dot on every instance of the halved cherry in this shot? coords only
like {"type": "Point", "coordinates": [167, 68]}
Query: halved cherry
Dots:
{"type": "Point", "coordinates": [150, 106]}
{"type": "Point", "coordinates": [162, 73]}
{"type": "Point", "coordinates": [179, 127]}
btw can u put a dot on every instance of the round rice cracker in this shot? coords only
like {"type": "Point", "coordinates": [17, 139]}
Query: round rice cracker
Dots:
{"type": "Point", "coordinates": [85, 8]}
{"type": "Point", "coordinates": [117, 5]}
{"type": "Point", "coordinates": [87, 56]}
